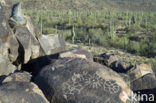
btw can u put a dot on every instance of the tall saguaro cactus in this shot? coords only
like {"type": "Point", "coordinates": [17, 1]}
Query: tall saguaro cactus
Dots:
{"type": "Point", "coordinates": [73, 35]}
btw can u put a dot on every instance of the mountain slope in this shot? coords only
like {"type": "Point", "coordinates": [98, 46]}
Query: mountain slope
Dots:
{"type": "Point", "coordinates": [90, 4]}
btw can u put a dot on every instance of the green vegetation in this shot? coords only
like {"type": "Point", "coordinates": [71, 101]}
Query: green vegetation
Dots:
{"type": "Point", "coordinates": [131, 31]}
{"type": "Point", "coordinates": [145, 5]}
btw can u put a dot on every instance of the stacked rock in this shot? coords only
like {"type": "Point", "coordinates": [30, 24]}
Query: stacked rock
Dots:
{"type": "Point", "coordinates": [19, 39]}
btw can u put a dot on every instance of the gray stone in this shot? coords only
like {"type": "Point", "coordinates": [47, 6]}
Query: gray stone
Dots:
{"type": "Point", "coordinates": [24, 37]}
{"type": "Point", "coordinates": [3, 48]}
{"type": "Point", "coordinates": [17, 16]}
{"type": "Point", "coordinates": [35, 47]}
{"type": "Point", "coordinates": [21, 92]}
{"type": "Point", "coordinates": [4, 29]}
{"type": "Point", "coordinates": [51, 43]}
{"type": "Point", "coordinates": [31, 27]}
{"type": "Point", "coordinates": [5, 66]}
{"type": "Point", "coordinates": [80, 80]}
{"type": "Point", "coordinates": [13, 48]}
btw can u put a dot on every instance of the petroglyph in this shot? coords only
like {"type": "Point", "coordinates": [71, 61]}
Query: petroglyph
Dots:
{"type": "Point", "coordinates": [85, 80]}
{"type": "Point", "coordinates": [111, 86]}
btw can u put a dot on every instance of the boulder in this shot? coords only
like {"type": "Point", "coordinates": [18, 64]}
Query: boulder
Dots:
{"type": "Point", "coordinates": [35, 45]}
{"type": "Point", "coordinates": [4, 48]}
{"type": "Point", "coordinates": [142, 77]}
{"type": "Point", "coordinates": [17, 17]}
{"type": "Point", "coordinates": [18, 77]}
{"type": "Point", "coordinates": [24, 38]}
{"type": "Point", "coordinates": [7, 39]}
{"type": "Point", "coordinates": [13, 49]}
{"type": "Point", "coordinates": [32, 27]}
{"type": "Point", "coordinates": [5, 66]}
{"type": "Point", "coordinates": [77, 80]}
{"type": "Point", "coordinates": [21, 92]}
{"type": "Point", "coordinates": [51, 43]}
{"type": "Point", "coordinates": [106, 59]}
{"type": "Point", "coordinates": [119, 66]}
{"type": "Point", "coordinates": [111, 61]}
{"type": "Point", "coordinates": [4, 31]}
{"type": "Point", "coordinates": [76, 53]}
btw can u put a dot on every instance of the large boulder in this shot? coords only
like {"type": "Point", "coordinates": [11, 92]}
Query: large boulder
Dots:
{"type": "Point", "coordinates": [21, 92]}
{"type": "Point", "coordinates": [79, 80]}
{"type": "Point", "coordinates": [24, 37]}
{"type": "Point", "coordinates": [142, 77]}
{"type": "Point", "coordinates": [51, 43]}
{"type": "Point", "coordinates": [5, 66]}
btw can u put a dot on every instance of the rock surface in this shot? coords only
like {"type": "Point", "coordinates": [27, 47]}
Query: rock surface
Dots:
{"type": "Point", "coordinates": [5, 66]}
{"type": "Point", "coordinates": [20, 41]}
{"type": "Point", "coordinates": [76, 53]}
{"type": "Point", "coordinates": [81, 81]}
{"type": "Point", "coordinates": [51, 43]}
{"type": "Point", "coordinates": [18, 77]}
{"type": "Point", "coordinates": [112, 61]}
{"type": "Point", "coordinates": [142, 77]}
{"type": "Point", "coordinates": [139, 77]}
{"type": "Point", "coordinates": [21, 92]}
{"type": "Point", "coordinates": [24, 37]}
{"type": "Point", "coordinates": [17, 17]}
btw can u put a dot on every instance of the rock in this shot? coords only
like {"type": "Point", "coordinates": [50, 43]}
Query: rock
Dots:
{"type": "Point", "coordinates": [79, 80]}
{"type": "Point", "coordinates": [21, 92]}
{"type": "Point", "coordinates": [51, 43]}
{"type": "Point", "coordinates": [13, 49]}
{"type": "Point", "coordinates": [18, 77]}
{"type": "Point", "coordinates": [3, 2]}
{"type": "Point", "coordinates": [4, 48]}
{"type": "Point", "coordinates": [118, 66]}
{"type": "Point", "coordinates": [4, 28]}
{"type": "Point", "coordinates": [111, 61]}
{"type": "Point", "coordinates": [35, 47]}
{"type": "Point", "coordinates": [142, 77]}
{"type": "Point", "coordinates": [5, 66]}
{"type": "Point", "coordinates": [24, 37]}
{"type": "Point", "coordinates": [31, 27]}
{"type": "Point", "coordinates": [106, 59]}
{"type": "Point", "coordinates": [76, 53]}
{"type": "Point", "coordinates": [7, 38]}
{"type": "Point", "coordinates": [17, 16]}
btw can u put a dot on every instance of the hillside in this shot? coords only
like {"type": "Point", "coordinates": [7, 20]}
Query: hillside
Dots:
{"type": "Point", "coordinates": [148, 5]}
{"type": "Point", "coordinates": [111, 26]}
